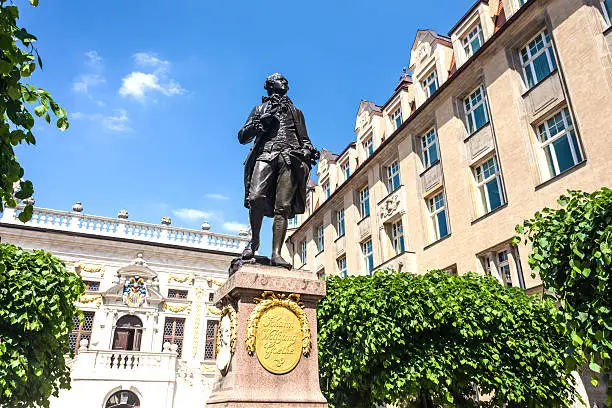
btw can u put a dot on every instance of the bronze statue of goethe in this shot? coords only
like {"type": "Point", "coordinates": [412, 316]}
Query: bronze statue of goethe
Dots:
{"type": "Point", "coordinates": [278, 166]}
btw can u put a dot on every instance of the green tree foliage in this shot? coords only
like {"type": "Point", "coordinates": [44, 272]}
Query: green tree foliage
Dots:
{"type": "Point", "coordinates": [428, 340]}
{"type": "Point", "coordinates": [37, 295]}
{"type": "Point", "coordinates": [18, 58]}
{"type": "Point", "coordinates": [572, 254]}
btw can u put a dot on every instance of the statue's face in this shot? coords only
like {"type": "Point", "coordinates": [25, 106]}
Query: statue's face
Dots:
{"type": "Point", "coordinates": [278, 86]}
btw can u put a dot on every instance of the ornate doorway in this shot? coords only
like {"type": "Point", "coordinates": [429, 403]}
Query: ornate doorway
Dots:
{"type": "Point", "coordinates": [128, 333]}
{"type": "Point", "coordinates": [123, 399]}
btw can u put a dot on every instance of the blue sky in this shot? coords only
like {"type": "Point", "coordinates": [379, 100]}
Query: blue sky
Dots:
{"type": "Point", "coordinates": [158, 90]}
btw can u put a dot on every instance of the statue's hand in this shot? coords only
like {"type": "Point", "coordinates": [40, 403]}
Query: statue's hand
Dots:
{"type": "Point", "coordinates": [257, 125]}
{"type": "Point", "coordinates": [267, 119]}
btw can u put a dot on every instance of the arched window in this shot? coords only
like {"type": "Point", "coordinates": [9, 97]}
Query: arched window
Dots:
{"type": "Point", "coordinates": [123, 399]}
{"type": "Point", "coordinates": [128, 333]}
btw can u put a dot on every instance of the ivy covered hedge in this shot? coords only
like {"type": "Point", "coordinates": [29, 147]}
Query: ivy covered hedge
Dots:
{"type": "Point", "coordinates": [572, 254]}
{"type": "Point", "coordinates": [37, 295]}
{"type": "Point", "coordinates": [428, 340]}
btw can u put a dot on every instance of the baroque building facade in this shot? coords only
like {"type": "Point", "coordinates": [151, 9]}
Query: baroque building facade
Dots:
{"type": "Point", "coordinates": [149, 329]}
{"type": "Point", "coordinates": [496, 121]}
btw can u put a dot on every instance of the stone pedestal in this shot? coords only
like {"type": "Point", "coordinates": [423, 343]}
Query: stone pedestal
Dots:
{"type": "Point", "coordinates": [247, 383]}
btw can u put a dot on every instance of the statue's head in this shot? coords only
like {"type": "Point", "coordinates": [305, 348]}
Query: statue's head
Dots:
{"type": "Point", "coordinates": [276, 84]}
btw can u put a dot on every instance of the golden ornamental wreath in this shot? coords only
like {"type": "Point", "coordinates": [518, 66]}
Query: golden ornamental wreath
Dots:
{"type": "Point", "coordinates": [268, 300]}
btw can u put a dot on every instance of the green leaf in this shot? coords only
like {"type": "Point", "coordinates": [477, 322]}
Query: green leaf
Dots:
{"type": "Point", "coordinates": [595, 367]}
{"type": "Point", "coordinates": [40, 110]}
{"type": "Point", "coordinates": [62, 123]}
{"type": "Point", "coordinates": [34, 3]}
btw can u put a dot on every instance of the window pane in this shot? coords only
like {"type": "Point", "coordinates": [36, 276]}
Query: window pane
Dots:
{"type": "Point", "coordinates": [495, 199]}
{"type": "Point", "coordinates": [541, 67]}
{"type": "Point", "coordinates": [480, 116]}
{"type": "Point", "coordinates": [433, 153]}
{"type": "Point", "coordinates": [563, 153]}
{"type": "Point", "coordinates": [443, 228]}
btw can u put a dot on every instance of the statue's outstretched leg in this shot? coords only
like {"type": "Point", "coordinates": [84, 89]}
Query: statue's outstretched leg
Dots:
{"type": "Point", "coordinates": [279, 231]}
{"type": "Point", "coordinates": [285, 190]}
{"type": "Point", "coordinates": [256, 215]}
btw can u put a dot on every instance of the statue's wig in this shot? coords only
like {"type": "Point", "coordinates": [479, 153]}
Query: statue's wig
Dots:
{"type": "Point", "coordinates": [272, 78]}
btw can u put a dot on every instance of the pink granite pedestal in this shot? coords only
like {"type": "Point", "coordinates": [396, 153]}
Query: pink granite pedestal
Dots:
{"type": "Point", "coordinates": [247, 383]}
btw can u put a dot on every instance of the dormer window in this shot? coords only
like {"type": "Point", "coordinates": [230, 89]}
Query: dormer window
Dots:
{"type": "Point", "coordinates": [346, 169]}
{"type": "Point", "coordinates": [368, 146]}
{"type": "Point", "coordinates": [473, 41]}
{"type": "Point", "coordinates": [396, 117]}
{"type": "Point", "coordinates": [430, 84]}
{"type": "Point", "coordinates": [326, 189]}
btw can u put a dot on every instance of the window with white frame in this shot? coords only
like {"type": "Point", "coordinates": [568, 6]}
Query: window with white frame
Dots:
{"type": "Point", "coordinates": [393, 176]}
{"type": "Point", "coordinates": [522, 2]}
{"type": "Point", "coordinates": [503, 265]}
{"type": "Point", "coordinates": [340, 230]}
{"type": "Point", "coordinates": [473, 41]}
{"type": "Point", "coordinates": [437, 216]}
{"type": "Point", "coordinates": [396, 117]}
{"type": "Point", "coordinates": [341, 263]}
{"type": "Point", "coordinates": [303, 253]}
{"type": "Point", "coordinates": [397, 237]}
{"type": "Point", "coordinates": [476, 115]}
{"type": "Point", "coordinates": [320, 238]}
{"type": "Point", "coordinates": [368, 146]}
{"type": "Point", "coordinates": [326, 189]}
{"type": "Point", "coordinates": [364, 202]}
{"type": "Point", "coordinates": [607, 10]}
{"type": "Point", "coordinates": [557, 138]}
{"type": "Point", "coordinates": [429, 148]}
{"type": "Point", "coordinates": [537, 59]}
{"type": "Point", "coordinates": [430, 84]}
{"type": "Point", "coordinates": [489, 184]}
{"type": "Point", "coordinates": [368, 256]}
{"type": "Point", "coordinates": [346, 169]}
{"type": "Point", "coordinates": [293, 222]}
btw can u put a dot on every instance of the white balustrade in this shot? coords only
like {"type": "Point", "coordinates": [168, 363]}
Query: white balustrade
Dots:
{"type": "Point", "coordinates": [123, 228]}
{"type": "Point", "coordinates": [124, 364]}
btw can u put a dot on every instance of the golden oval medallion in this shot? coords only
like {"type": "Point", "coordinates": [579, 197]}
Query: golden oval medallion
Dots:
{"type": "Point", "coordinates": [278, 341]}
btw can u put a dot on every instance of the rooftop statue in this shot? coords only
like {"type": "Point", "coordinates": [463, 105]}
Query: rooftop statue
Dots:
{"type": "Point", "coordinates": [277, 168]}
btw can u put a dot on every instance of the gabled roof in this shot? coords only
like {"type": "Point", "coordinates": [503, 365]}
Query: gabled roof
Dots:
{"type": "Point", "coordinates": [423, 33]}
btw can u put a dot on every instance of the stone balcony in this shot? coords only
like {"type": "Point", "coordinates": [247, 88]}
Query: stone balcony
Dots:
{"type": "Point", "coordinates": [70, 221]}
{"type": "Point", "coordinates": [122, 365]}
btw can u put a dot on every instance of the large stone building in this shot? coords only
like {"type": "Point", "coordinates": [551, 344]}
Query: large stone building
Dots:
{"type": "Point", "coordinates": [148, 338]}
{"type": "Point", "coordinates": [497, 120]}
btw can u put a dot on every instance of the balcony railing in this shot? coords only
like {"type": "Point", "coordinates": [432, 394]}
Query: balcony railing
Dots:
{"type": "Point", "coordinates": [124, 365]}
{"type": "Point", "coordinates": [122, 228]}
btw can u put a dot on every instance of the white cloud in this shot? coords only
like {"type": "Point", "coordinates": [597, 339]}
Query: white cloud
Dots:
{"type": "Point", "coordinates": [149, 59]}
{"type": "Point", "coordinates": [116, 122]}
{"type": "Point", "coordinates": [85, 81]}
{"type": "Point", "coordinates": [92, 78]}
{"type": "Point", "coordinates": [93, 57]}
{"type": "Point", "coordinates": [191, 214]}
{"type": "Point", "coordinates": [234, 226]}
{"type": "Point", "coordinates": [137, 84]}
{"type": "Point", "coordinates": [216, 196]}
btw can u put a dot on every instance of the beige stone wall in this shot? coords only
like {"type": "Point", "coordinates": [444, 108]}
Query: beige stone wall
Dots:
{"type": "Point", "coordinates": [581, 83]}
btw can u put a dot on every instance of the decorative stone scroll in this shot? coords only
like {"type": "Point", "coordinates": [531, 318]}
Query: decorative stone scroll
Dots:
{"type": "Point", "coordinates": [175, 308]}
{"type": "Point", "coordinates": [276, 328]}
{"type": "Point", "coordinates": [97, 299]}
{"type": "Point", "coordinates": [389, 207]}
{"type": "Point", "coordinates": [89, 268]}
{"type": "Point", "coordinates": [180, 278]}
